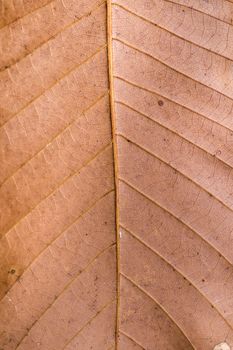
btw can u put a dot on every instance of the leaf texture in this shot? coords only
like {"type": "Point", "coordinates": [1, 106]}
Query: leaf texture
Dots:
{"type": "Point", "coordinates": [172, 77]}
{"type": "Point", "coordinates": [116, 207]}
{"type": "Point", "coordinates": [57, 223]}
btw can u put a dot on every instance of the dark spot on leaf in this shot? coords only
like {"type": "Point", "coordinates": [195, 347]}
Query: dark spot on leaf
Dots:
{"type": "Point", "coordinates": [160, 103]}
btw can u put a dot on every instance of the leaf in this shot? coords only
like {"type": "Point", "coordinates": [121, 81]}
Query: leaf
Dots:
{"type": "Point", "coordinates": [173, 112]}
{"type": "Point", "coordinates": [57, 276]}
{"type": "Point", "coordinates": [116, 209]}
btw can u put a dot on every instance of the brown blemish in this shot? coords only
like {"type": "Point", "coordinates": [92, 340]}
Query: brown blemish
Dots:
{"type": "Point", "coordinates": [10, 272]}
{"type": "Point", "coordinates": [160, 103]}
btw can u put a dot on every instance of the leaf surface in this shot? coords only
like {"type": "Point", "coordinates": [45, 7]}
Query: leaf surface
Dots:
{"type": "Point", "coordinates": [172, 67]}
{"type": "Point", "coordinates": [116, 207]}
{"type": "Point", "coordinates": [58, 260]}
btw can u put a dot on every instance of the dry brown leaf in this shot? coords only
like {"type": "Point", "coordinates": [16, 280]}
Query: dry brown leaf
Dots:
{"type": "Point", "coordinates": [116, 212]}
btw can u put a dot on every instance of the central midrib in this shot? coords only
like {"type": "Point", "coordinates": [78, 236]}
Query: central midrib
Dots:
{"type": "Point", "coordinates": [115, 161]}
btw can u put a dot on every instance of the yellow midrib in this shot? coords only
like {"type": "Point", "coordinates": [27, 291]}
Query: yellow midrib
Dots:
{"type": "Point", "coordinates": [115, 160]}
